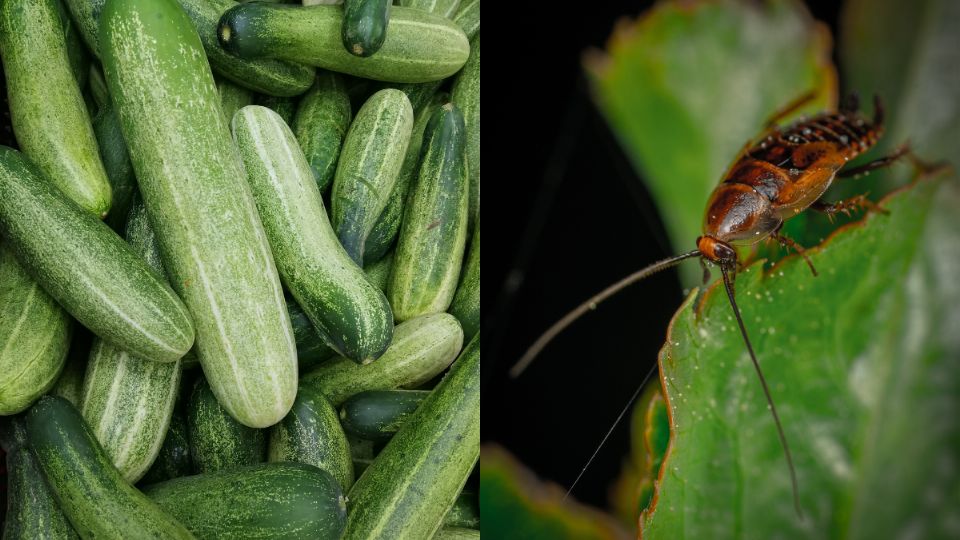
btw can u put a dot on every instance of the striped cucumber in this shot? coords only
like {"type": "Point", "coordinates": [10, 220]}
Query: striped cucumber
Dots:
{"type": "Point", "coordinates": [364, 25]}
{"type": "Point", "coordinates": [173, 460]}
{"type": "Point", "coordinates": [105, 286]}
{"type": "Point", "coordinates": [128, 401]}
{"type": "Point", "coordinates": [379, 272]}
{"type": "Point", "coordinates": [466, 96]}
{"type": "Point", "coordinates": [217, 441]}
{"type": "Point", "coordinates": [418, 47]}
{"type": "Point", "coordinates": [413, 483]}
{"type": "Point", "coordinates": [192, 181]}
{"type": "Point", "coordinates": [271, 500]}
{"type": "Point", "coordinates": [91, 491]}
{"type": "Point", "coordinates": [369, 165]}
{"type": "Point", "coordinates": [48, 114]}
{"type": "Point", "coordinates": [378, 414]}
{"type": "Point", "coordinates": [422, 348]}
{"type": "Point", "coordinates": [311, 349]}
{"type": "Point", "coordinates": [434, 231]}
{"type": "Point", "coordinates": [312, 434]}
{"type": "Point", "coordinates": [232, 98]}
{"type": "Point", "coordinates": [321, 123]}
{"type": "Point", "coordinates": [446, 8]}
{"type": "Point", "coordinates": [468, 17]}
{"type": "Point", "coordinates": [466, 303]}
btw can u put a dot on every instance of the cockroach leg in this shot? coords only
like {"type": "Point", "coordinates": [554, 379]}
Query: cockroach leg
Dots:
{"type": "Point", "coordinates": [847, 205]}
{"type": "Point", "coordinates": [790, 243]}
{"type": "Point", "coordinates": [879, 163]}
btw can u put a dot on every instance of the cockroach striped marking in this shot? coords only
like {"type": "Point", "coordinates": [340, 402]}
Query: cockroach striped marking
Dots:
{"type": "Point", "coordinates": [774, 178]}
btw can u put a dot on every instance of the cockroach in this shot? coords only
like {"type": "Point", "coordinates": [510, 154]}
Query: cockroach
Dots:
{"type": "Point", "coordinates": [774, 177]}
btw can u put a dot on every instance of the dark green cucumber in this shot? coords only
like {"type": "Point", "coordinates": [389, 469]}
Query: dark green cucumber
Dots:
{"type": "Point", "coordinates": [419, 46]}
{"type": "Point", "coordinates": [466, 303]}
{"type": "Point", "coordinates": [465, 512]}
{"type": "Point", "coordinates": [76, 50]}
{"type": "Point", "coordinates": [378, 414]}
{"type": "Point", "coordinates": [232, 98]}
{"type": "Point", "coordinates": [368, 168]}
{"type": "Point", "coordinates": [217, 441]}
{"type": "Point", "coordinates": [311, 349]}
{"type": "Point", "coordinates": [286, 107]}
{"type": "Point", "coordinates": [91, 492]}
{"type": "Point", "coordinates": [105, 286]}
{"type": "Point", "coordinates": [468, 17]}
{"type": "Point", "coordinates": [349, 312]}
{"type": "Point", "coordinates": [434, 231]}
{"type": "Point", "coordinates": [48, 114]}
{"type": "Point", "coordinates": [192, 181]}
{"type": "Point", "coordinates": [446, 8]}
{"type": "Point", "coordinates": [379, 272]}
{"type": "Point", "coordinates": [271, 500]}
{"type": "Point", "coordinates": [416, 478]}
{"type": "Point", "coordinates": [173, 460]}
{"type": "Point", "coordinates": [422, 348]}
{"type": "Point", "coordinates": [312, 434]}
{"type": "Point", "coordinates": [364, 25]}
{"type": "Point", "coordinates": [116, 161]}
{"type": "Point", "coordinates": [321, 123]}
{"type": "Point", "coordinates": [466, 96]}
{"type": "Point", "coordinates": [69, 385]}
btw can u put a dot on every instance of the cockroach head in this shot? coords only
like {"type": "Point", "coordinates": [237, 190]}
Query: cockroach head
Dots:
{"type": "Point", "coordinates": [717, 251]}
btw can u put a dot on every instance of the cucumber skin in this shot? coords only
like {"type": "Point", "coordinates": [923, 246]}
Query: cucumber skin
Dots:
{"type": "Point", "coordinates": [106, 286]}
{"type": "Point", "coordinates": [416, 478]}
{"type": "Point", "coordinates": [321, 123]}
{"type": "Point", "coordinates": [233, 97]}
{"type": "Point", "coordinates": [34, 337]}
{"type": "Point", "coordinates": [445, 8]}
{"type": "Point", "coordinates": [434, 230]}
{"type": "Point", "coordinates": [286, 107]}
{"type": "Point", "coordinates": [364, 26]}
{"type": "Point", "coordinates": [193, 184]}
{"type": "Point", "coordinates": [456, 533]}
{"type": "Point", "coordinates": [311, 349]}
{"type": "Point", "coordinates": [418, 47]}
{"type": "Point", "coordinates": [91, 492]}
{"type": "Point", "coordinates": [421, 349]}
{"type": "Point", "coordinates": [378, 414]}
{"type": "Point", "coordinates": [379, 272]}
{"type": "Point", "coordinates": [468, 17]}
{"type": "Point", "coordinates": [85, 14]}
{"type": "Point", "coordinates": [173, 460]}
{"type": "Point", "coordinates": [116, 161]}
{"type": "Point", "coordinates": [369, 166]}
{"type": "Point", "coordinates": [270, 500]}
{"type": "Point", "coordinates": [69, 385]}
{"type": "Point", "coordinates": [465, 512]}
{"type": "Point", "coordinates": [465, 94]}
{"type": "Point", "coordinates": [349, 312]}
{"type": "Point", "coordinates": [312, 434]}
{"type": "Point", "coordinates": [466, 303]}
{"type": "Point", "coordinates": [48, 114]}
{"type": "Point", "coordinates": [217, 441]}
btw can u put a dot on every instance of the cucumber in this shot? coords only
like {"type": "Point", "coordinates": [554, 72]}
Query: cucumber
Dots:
{"type": "Point", "coordinates": [422, 348]}
{"type": "Point", "coordinates": [378, 414]}
{"type": "Point", "coordinates": [76, 51]}
{"type": "Point", "coordinates": [468, 17]}
{"type": "Point", "coordinates": [434, 231]}
{"type": "Point", "coordinates": [466, 303]}
{"type": "Point", "coordinates": [34, 337]}
{"type": "Point", "coordinates": [217, 441]}
{"type": "Point", "coordinates": [116, 161]}
{"type": "Point", "coordinates": [370, 162]}
{"type": "Point", "coordinates": [286, 107]}
{"type": "Point", "coordinates": [379, 272]}
{"type": "Point", "coordinates": [70, 384]}
{"type": "Point", "coordinates": [446, 8]}
{"type": "Point", "coordinates": [416, 478]}
{"type": "Point", "coordinates": [364, 26]}
{"type": "Point", "coordinates": [91, 492]}
{"type": "Point", "coordinates": [465, 512]}
{"type": "Point", "coordinates": [418, 47]}
{"type": "Point", "coordinates": [85, 14]}
{"type": "Point", "coordinates": [457, 533]}
{"type": "Point", "coordinates": [173, 460]}
{"type": "Point", "coordinates": [193, 184]}
{"type": "Point", "coordinates": [105, 285]}
{"type": "Point", "coordinates": [466, 96]}
{"type": "Point", "coordinates": [311, 349]}
{"type": "Point", "coordinates": [349, 312]}
{"type": "Point", "coordinates": [127, 401]}
{"type": "Point", "coordinates": [271, 500]}
{"type": "Point", "coordinates": [321, 123]}
{"type": "Point", "coordinates": [48, 114]}
{"type": "Point", "coordinates": [232, 98]}
{"type": "Point", "coordinates": [312, 434]}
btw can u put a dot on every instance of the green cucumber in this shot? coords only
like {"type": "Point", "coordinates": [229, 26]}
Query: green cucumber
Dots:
{"type": "Point", "coordinates": [85, 14]}
{"type": "Point", "coordinates": [173, 460]}
{"type": "Point", "coordinates": [321, 123]}
{"type": "Point", "coordinates": [364, 26]}
{"type": "Point", "coordinates": [91, 492]}
{"type": "Point", "coordinates": [48, 114]}
{"type": "Point", "coordinates": [105, 286]}
{"type": "Point", "coordinates": [465, 512]}
{"type": "Point", "coordinates": [434, 231]}
{"type": "Point", "coordinates": [311, 349]}
{"type": "Point", "coordinates": [193, 183]}
{"type": "Point", "coordinates": [379, 272]}
{"type": "Point", "coordinates": [466, 96]}
{"type": "Point", "coordinates": [69, 385]}
{"type": "Point", "coordinates": [76, 50]}
{"type": "Point", "coordinates": [466, 303]}
{"type": "Point", "coordinates": [116, 161]}
{"type": "Point", "coordinates": [127, 401]}
{"type": "Point", "coordinates": [34, 337]}
{"type": "Point", "coordinates": [232, 98]}
{"type": "Point", "coordinates": [419, 46]}
{"type": "Point", "coordinates": [217, 441]}
{"type": "Point", "coordinates": [468, 17]}
{"type": "Point", "coordinates": [312, 434]}
{"type": "Point", "coordinates": [378, 414]}
{"type": "Point", "coordinates": [349, 312]}
{"type": "Point", "coordinates": [446, 8]}
{"type": "Point", "coordinates": [271, 500]}
{"type": "Point", "coordinates": [419, 94]}
{"type": "Point", "coordinates": [456, 533]}
{"type": "Point", "coordinates": [286, 107]}
{"type": "Point", "coordinates": [416, 478]}
{"type": "Point", "coordinates": [422, 348]}
{"type": "Point", "coordinates": [369, 165]}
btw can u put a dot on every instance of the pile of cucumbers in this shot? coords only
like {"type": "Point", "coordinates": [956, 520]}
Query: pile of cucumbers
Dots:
{"type": "Point", "coordinates": [240, 269]}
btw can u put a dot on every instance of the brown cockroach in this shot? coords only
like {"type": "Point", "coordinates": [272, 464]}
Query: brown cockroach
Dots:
{"type": "Point", "coordinates": [784, 172]}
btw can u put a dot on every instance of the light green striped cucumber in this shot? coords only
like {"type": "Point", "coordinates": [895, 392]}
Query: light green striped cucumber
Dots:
{"type": "Point", "coordinates": [128, 401]}
{"type": "Point", "coordinates": [378, 414]}
{"type": "Point", "coordinates": [321, 123]}
{"type": "Point", "coordinates": [466, 303]}
{"type": "Point", "coordinates": [48, 114]}
{"type": "Point", "coordinates": [419, 46]}
{"type": "Point", "coordinates": [173, 460]}
{"type": "Point", "coordinates": [232, 98]}
{"type": "Point", "coordinates": [422, 348]}
{"type": "Point", "coordinates": [34, 337]}
{"type": "Point", "coordinates": [468, 17]}
{"type": "Point", "coordinates": [87, 268]}
{"type": "Point", "coordinates": [349, 312]}
{"type": "Point", "coordinates": [379, 272]}
{"type": "Point", "coordinates": [312, 434]}
{"type": "Point", "coordinates": [434, 231]}
{"type": "Point", "coordinates": [193, 183]}
{"type": "Point", "coordinates": [268, 501]}
{"type": "Point", "coordinates": [413, 483]}
{"type": "Point", "coordinates": [217, 441]}
{"type": "Point", "coordinates": [369, 165]}
{"type": "Point", "coordinates": [447, 8]}
{"type": "Point", "coordinates": [466, 96]}
{"type": "Point", "coordinates": [91, 492]}
{"type": "Point", "coordinates": [364, 25]}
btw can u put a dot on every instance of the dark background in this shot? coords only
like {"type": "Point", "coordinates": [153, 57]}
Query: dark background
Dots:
{"type": "Point", "coordinates": [570, 216]}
